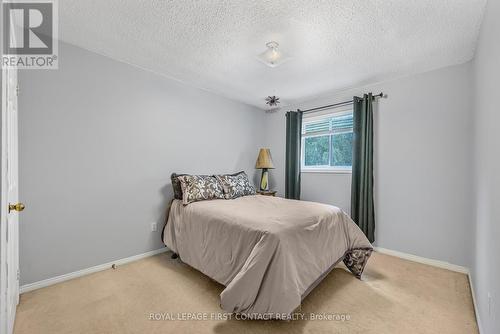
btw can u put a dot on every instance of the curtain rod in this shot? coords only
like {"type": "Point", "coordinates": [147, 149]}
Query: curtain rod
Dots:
{"type": "Point", "coordinates": [336, 104]}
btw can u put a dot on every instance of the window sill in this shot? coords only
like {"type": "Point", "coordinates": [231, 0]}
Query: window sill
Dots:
{"type": "Point", "coordinates": [327, 171]}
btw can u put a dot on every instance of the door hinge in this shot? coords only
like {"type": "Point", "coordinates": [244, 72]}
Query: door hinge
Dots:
{"type": "Point", "coordinates": [17, 89]}
{"type": "Point", "coordinates": [18, 275]}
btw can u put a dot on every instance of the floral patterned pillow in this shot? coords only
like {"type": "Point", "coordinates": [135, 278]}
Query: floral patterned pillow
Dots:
{"type": "Point", "coordinates": [199, 188]}
{"type": "Point", "coordinates": [176, 185]}
{"type": "Point", "coordinates": [236, 185]}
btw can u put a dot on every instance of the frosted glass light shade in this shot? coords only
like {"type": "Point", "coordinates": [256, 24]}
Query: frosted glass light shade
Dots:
{"type": "Point", "coordinates": [272, 57]}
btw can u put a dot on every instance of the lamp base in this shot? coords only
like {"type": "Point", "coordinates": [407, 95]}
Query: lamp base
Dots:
{"type": "Point", "coordinates": [264, 180]}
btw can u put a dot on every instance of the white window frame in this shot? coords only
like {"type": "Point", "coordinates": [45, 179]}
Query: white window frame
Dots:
{"type": "Point", "coordinates": [324, 168]}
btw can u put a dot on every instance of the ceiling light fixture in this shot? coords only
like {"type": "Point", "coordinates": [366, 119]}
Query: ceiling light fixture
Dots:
{"type": "Point", "coordinates": [272, 57]}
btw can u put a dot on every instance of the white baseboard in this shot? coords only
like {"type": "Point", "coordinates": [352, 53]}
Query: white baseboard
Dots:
{"type": "Point", "coordinates": [439, 264]}
{"type": "Point", "coordinates": [476, 310]}
{"type": "Point", "coordinates": [87, 271]}
{"type": "Point", "coordinates": [423, 260]}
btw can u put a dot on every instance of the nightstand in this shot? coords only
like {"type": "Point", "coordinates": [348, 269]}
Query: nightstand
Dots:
{"type": "Point", "coordinates": [266, 193]}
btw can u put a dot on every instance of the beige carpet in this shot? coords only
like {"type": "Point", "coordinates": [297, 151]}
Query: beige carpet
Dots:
{"type": "Point", "coordinates": [395, 296]}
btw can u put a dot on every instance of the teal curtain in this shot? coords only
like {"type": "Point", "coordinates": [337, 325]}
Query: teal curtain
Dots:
{"type": "Point", "coordinates": [362, 207]}
{"type": "Point", "coordinates": [292, 163]}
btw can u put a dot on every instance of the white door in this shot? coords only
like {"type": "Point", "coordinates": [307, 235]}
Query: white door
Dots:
{"type": "Point", "coordinates": [10, 207]}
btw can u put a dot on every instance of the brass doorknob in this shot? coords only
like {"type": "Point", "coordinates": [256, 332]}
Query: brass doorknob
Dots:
{"type": "Point", "coordinates": [16, 207]}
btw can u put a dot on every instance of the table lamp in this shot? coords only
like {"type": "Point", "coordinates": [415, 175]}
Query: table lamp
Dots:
{"type": "Point", "coordinates": [264, 162]}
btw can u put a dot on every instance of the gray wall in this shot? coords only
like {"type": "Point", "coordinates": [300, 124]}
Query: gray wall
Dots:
{"type": "Point", "coordinates": [423, 135]}
{"type": "Point", "coordinates": [98, 141]}
{"type": "Point", "coordinates": [486, 271]}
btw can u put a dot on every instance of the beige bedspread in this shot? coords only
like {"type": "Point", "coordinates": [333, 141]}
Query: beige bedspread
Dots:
{"type": "Point", "coordinates": [267, 251]}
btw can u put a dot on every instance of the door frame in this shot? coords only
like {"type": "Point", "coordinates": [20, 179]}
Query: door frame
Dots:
{"type": "Point", "coordinates": [3, 214]}
{"type": "Point", "coordinates": [9, 221]}
{"type": "Point", "coordinates": [3, 201]}
{"type": "Point", "coordinates": [5, 326]}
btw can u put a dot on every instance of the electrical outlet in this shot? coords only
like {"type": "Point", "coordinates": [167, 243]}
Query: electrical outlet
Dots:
{"type": "Point", "coordinates": [154, 227]}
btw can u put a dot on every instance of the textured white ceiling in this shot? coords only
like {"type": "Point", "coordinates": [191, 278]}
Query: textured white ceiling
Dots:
{"type": "Point", "coordinates": [334, 44]}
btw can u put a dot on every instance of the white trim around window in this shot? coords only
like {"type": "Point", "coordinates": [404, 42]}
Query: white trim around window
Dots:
{"type": "Point", "coordinates": [326, 170]}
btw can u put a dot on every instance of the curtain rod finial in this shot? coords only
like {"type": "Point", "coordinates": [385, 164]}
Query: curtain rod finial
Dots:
{"type": "Point", "coordinates": [381, 95]}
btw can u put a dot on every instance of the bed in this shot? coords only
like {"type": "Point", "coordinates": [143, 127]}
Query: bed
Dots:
{"type": "Point", "coordinates": [268, 252]}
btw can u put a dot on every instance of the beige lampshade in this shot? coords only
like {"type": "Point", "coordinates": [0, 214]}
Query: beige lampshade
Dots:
{"type": "Point", "coordinates": [264, 160]}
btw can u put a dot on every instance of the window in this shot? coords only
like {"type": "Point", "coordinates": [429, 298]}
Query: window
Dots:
{"type": "Point", "coordinates": [327, 142]}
